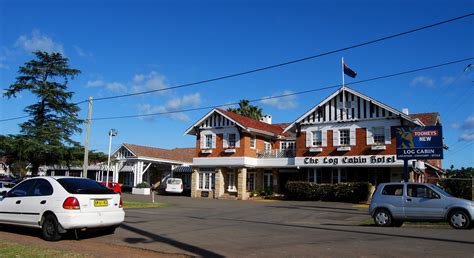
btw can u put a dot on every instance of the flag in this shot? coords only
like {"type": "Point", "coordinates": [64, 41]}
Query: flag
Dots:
{"type": "Point", "coordinates": [349, 72]}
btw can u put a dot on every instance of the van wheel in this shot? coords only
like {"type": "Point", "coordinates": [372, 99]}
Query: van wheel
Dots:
{"type": "Point", "coordinates": [383, 218]}
{"type": "Point", "coordinates": [109, 230]}
{"type": "Point", "coordinates": [50, 228]}
{"type": "Point", "coordinates": [459, 219]}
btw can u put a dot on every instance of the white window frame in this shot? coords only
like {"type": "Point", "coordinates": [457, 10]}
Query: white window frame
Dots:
{"type": "Point", "coordinates": [208, 141]}
{"type": "Point", "coordinates": [231, 183]}
{"type": "Point", "coordinates": [378, 135]}
{"type": "Point", "coordinates": [267, 177]}
{"type": "Point", "coordinates": [267, 144]}
{"type": "Point", "coordinates": [251, 175]}
{"type": "Point", "coordinates": [253, 142]}
{"type": "Point", "coordinates": [206, 175]}
{"type": "Point", "coordinates": [232, 144]}
{"type": "Point", "coordinates": [313, 138]}
{"type": "Point", "coordinates": [344, 138]}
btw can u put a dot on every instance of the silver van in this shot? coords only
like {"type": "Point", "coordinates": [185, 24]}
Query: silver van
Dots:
{"type": "Point", "coordinates": [394, 203]}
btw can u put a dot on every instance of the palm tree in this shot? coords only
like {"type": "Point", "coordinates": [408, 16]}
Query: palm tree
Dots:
{"type": "Point", "coordinates": [245, 109]}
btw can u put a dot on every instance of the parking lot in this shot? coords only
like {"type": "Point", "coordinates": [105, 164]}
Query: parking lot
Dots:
{"type": "Point", "coordinates": [204, 227]}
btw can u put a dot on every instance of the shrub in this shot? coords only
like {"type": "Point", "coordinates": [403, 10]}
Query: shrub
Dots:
{"type": "Point", "coordinates": [143, 185]}
{"type": "Point", "coordinates": [343, 192]}
{"type": "Point", "coordinates": [458, 185]}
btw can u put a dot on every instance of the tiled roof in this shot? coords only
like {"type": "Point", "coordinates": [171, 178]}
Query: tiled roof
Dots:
{"type": "Point", "coordinates": [254, 124]}
{"type": "Point", "coordinates": [178, 154]}
{"type": "Point", "coordinates": [429, 119]}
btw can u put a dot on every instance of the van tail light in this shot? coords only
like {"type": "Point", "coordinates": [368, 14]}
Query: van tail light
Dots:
{"type": "Point", "coordinates": [71, 203]}
{"type": "Point", "coordinates": [121, 202]}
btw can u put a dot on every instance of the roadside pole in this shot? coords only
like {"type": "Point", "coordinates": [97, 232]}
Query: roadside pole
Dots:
{"type": "Point", "coordinates": [86, 145]}
{"type": "Point", "coordinates": [405, 170]}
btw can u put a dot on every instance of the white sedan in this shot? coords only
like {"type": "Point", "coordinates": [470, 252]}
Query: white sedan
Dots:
{"type": "Point", "coordinates": [59, 204]}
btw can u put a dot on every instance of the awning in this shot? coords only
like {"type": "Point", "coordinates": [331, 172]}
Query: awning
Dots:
{"type": "Point", "coordinates": [183, 169]}
{"type": "Point", "coordinates": [437, 169]}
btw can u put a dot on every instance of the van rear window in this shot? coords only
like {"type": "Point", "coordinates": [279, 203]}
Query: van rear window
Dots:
{"type": "Point", "coordinates": [396, 190]}
{"type": "Point", "coordinates": [83, 186]}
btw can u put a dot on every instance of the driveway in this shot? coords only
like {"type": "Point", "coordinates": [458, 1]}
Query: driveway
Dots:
{"type": "Point", "coordinates": [206, 227]}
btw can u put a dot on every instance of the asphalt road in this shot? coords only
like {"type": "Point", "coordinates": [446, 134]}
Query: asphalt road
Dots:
{"type": "Point", "coordinates": [203, 227]}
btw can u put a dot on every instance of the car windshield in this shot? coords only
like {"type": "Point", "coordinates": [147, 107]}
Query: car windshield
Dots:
{"type": "Point", "coordinates": [437, 188]}
{"type": "Point", "coordinates": [174, 181]}
{"type": "Point", "coordinates": [83, 186]}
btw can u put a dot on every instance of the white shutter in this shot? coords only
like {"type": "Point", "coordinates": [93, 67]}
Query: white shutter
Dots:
{"type": "Point", "coordinates": [370, 136]}
{"type": "Point", "coordinates": [324, 138]}
{"type": "Point", "coordinates": [203, 140]}
{"type": "Point", "coordinates": [388, 135]}
{"type": "Point", "coordinates": [237, 140]}
{"type": "Point", "coordinates": [225, 140]}
{"type": "Point", "coordinates": [308, 139]}
{"type": "Point", "coordinates": [335, 138]}
{"type": "Point", "coordinates": [352, 136]}
{"type": "Point", "coordinates": [213, 140]}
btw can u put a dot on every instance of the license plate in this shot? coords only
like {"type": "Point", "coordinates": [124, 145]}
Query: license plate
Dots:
{"type": "Point", "coordinates": [101, 203]}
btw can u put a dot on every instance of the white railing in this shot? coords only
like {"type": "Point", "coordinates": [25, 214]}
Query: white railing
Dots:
{"type": "Point", "coordinates": [275, 154]}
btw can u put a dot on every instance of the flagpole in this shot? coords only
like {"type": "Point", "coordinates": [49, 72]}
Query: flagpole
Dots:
{"type": "Point", "coordinates": [343, 87]}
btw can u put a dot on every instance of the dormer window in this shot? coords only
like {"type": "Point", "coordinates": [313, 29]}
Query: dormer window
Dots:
{"type": "Point", "coordinates": [208, 142]}
{"type": "Point", "coordinates": [344, 137]}
{"type": "Point", "coordinates": [253, 142]}
{"type": "Point", "coordinates": [317, 138]}
{"type": "Point", "coordinates": [232, 140]}
{"type": "Point", "coordinates": [379, 135]}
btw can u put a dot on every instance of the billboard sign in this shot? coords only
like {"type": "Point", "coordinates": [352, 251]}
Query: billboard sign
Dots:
{"type": "Point", "coordinates": [419, 142]}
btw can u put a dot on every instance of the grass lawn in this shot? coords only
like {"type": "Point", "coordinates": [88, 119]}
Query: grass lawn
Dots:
{"type": "Point", "coordinates": [10, 249]}
{"type": "Point", "coordinates": [128, 204]}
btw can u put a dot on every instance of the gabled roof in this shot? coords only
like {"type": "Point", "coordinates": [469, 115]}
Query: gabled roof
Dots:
{"type": "Point", "coordinates": [245, 123]}
{"type": "Point", "coordinates": [358, 94]}
{"type": "Point", "coordinates": [428, 119]}
{"type": "Point", "coordinates": [177, 154]}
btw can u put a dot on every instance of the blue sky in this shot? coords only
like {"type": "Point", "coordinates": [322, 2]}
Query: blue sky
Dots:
{"type": "Point", "coordinates": [131, 46]}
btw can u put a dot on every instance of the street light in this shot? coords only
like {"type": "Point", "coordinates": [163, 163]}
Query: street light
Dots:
{"type": "Point", "coordinates": [112, 133]}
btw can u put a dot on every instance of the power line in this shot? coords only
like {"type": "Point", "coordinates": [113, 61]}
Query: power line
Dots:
{"type": "Point", "coordinates": [273, 66]}
{"type": "Point", "coordinates": [289, 94]}
{"type": "Point", "coordinates": [292, 61]}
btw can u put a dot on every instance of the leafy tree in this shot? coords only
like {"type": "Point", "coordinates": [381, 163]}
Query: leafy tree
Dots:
{"type": "Point", "coordinates": [54, 119]}
{"type": "Point", "coordinates": [245, 109]}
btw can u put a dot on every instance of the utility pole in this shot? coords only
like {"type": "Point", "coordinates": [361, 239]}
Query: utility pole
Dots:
{"type": "Point", "coordinates": [86, 145]}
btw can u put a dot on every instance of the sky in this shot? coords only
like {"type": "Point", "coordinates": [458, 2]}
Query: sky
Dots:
{"type": "Point", "coordinates": [132, 46]}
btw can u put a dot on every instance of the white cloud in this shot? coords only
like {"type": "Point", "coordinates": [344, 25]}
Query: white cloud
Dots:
{"type": "Point", "coordinates": [467, 136]}
{"type": "Point", "coordinates": [446, 80]}
{"type": "Point", "coordinates": [151, 81]}
{"type": "Point", "coordinates": [38, 41]}
{"type": "Point", "coordinates": [116, 86]}
{"type": "Point", "coordinates": [94, 84]}
{"type": "Point", "coordinates": [423, 81]}
{"type": "Point", "coordinates": [468, 123]}
{"type": "Point", "coordinates": [81, 52]}
{"type": "Point", "coordinates": [456, 125]}
{"type": "Point", "coordinates": [172, 105]}
{"type": "Point", "coordinates": [287, 102]}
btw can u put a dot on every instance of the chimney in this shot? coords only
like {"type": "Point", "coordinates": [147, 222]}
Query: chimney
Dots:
{"type": "Point", "coordinates": [266, 119]}
{"type": "Point", "coordinates": [405, 111]}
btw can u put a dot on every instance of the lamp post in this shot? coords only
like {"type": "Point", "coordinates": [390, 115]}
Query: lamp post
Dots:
{"type": "Point", "coordinates": [112, 133]}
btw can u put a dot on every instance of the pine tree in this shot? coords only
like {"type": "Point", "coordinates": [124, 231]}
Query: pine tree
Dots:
{"type": "Point", "coordinates": [46, 136]}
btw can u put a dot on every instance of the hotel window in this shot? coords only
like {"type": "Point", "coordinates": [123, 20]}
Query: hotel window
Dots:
{"type": "Point", "coordinates": [314, 175]}
{"type": "Point", "coordinates": [288, 145]}
{"type": "Point", "coordinates": [317, 138]}
{"type": "Point", "coordinates": [267, 147]}
{"type": "Point", "coordinates": [253, 142]}
{"type": "Point", "coordinates": [232, 140]}
{"type": "Point", "coordinates": [250, 181]}
{"type": "Point", "coordinates": [208, 142]}
{"type": "Point", "coordinates": [379, 135]}
{"type": "Point", "coordinates": [206, 179]}
{"type": "Point", "coordinates": [344, 137]}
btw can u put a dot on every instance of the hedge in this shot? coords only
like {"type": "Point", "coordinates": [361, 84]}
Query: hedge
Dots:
{"type": "Point", "coordinates": [342, 192]}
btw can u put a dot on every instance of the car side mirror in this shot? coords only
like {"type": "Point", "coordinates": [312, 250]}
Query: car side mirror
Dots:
{"type": "Point", "coordinates": [436, 195]}
{"type": "Point", "coordinates": [3, 194]}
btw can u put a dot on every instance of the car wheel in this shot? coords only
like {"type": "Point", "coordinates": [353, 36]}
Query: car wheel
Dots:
{"type": "Point", "coordinates": [459, 219]}
{"type": "Point", "coordinates": [50, 228]}
{"type": "Point", "coordinates": [383, 218]}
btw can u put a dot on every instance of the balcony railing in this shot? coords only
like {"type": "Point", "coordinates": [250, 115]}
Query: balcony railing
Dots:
{"type": "Point", "coordinates": [275, 154]}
